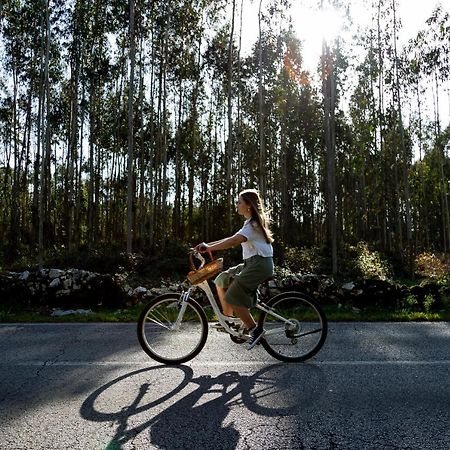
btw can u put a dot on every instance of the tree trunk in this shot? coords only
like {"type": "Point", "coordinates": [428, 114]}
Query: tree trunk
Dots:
{"type": "Point", "coordinates": [405, 161]}
{"type": "Point", "coordinates": [44, 127]}
{"type": "Point", "coordinates": [384, 200]}
{"type": "Point", "coordinates": [142, 145]}
{"type": "Point", "coordinates": [262, 142]}
{"type": "Point", "coordinates": [229, 153]}
{"type": "Point", "coordinates": [130, 190]}
{"type": "Point", "coordinates": [329, 96]}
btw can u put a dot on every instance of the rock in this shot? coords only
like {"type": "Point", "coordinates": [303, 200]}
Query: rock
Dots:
{"type": "Point", "coordinates": [348, 286]}
{"type": "Point", "coordinates": [140, 291]}
{"type": "Point", "coordinates": [60, 312]}
{"type": "Point", "coordinates": [55, 283]}
{"type": "Point", "coordinates": [158, 291]}
{"type": "Point", "coordinates": [24, 275]}
{"type": "Point", "coordinates": [128, 289]}
{"type": "Point", "coordinates": [62, 292]}
{"type": "Point", "coordinates": [55, 273]}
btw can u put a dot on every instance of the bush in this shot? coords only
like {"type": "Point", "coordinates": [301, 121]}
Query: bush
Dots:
{"type": "Point", "coordinates": [431, 266]}
{"type": "Point", "coordinates": [411, 303]}
{"type": "Point", "coordinates": [371, 264]}
{"type": "Point", "coordinates": [303, 259]}
{"type": "Point", "coordinates": [428, 303]}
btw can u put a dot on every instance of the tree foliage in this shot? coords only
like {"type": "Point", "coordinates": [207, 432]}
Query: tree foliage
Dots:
{"type": "Point", "coordinates": [191, 124]}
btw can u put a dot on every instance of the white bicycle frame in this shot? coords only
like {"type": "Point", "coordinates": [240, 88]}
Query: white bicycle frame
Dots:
{"type": "Point", "coordinates": [204, 286]}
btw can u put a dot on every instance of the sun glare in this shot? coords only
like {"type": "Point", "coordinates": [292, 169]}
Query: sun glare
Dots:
{"type": "Point", "coordinates": [312, 26]}
{"type": "Point", "coordinates": [316, 25]}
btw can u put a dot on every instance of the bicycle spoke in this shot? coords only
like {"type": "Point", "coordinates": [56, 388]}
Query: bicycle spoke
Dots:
{"type": "Point", "coordinates": [296, 327]}
{"type": "Point", "coordinates": [164, 343]}
{"type": "Point", "coordinates": [159, 323]}
{"type": "Point", "coordinates": [159, 318]}
{"type": "Point", "coordinates": [319, 330]}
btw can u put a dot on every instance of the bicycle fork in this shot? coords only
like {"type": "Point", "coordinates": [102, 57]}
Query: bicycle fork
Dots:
{"type": "Point", "coordinates": [183, 302]}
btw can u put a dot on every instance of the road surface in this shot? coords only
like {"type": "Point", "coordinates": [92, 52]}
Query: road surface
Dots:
{"type": "Point", "coordinates": [90, 386]}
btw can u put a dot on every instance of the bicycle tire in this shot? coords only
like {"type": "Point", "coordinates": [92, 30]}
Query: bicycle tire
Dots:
{"type": "Point", "coordinates": [154, 331]}
{"type": "Point", "coordinates": [298, 342]}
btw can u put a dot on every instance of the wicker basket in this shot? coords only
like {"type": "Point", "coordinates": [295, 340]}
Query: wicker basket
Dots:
{"type": "Point", "coordinates": [209, 270]}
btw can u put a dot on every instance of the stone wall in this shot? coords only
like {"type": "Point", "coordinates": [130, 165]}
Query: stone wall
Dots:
{"type": "Point", "coordinates": [63, 288]}
{"type": "Point", "coordinates": [80, 288]}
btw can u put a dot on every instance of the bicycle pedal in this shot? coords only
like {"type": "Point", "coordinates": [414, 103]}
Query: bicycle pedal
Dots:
{"type": "Point", "coordinates": [234, 326]}
{"type": "Point", "coordinates": [217, 326]}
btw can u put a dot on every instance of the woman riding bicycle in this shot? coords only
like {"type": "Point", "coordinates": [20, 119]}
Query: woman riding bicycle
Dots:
{"type": "Point", "coordinates": [236, 287]}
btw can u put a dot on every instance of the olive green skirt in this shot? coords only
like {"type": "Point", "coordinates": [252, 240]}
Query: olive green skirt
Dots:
{"type": "Point", "coordinates": [242, 281]}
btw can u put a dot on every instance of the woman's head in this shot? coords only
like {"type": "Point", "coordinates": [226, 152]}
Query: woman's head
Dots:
{"type": "Point", "coordinates": [255, 208]}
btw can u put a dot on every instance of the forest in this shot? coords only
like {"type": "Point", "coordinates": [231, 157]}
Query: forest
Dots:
{"type": "Point", "coordinates": [132, 127]}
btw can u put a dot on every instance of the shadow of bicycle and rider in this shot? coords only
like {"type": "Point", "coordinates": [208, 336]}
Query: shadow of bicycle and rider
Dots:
{"type": "Point", "coordinates": [183, 411]}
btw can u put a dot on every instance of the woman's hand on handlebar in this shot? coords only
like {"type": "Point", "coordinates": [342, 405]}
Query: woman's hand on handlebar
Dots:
{"type": "Point", "coordinates": [202, 248]}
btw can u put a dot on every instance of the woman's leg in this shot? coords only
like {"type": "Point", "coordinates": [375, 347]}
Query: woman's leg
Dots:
{"type": "Point", "coordinates": [227, 309]}
{"type": "Point", "coordinates": [241, 311]}
{"type": "Point", "coordinates": [244, 314]}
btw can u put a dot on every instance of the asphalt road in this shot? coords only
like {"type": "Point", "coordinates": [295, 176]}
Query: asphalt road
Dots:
{"type": "Point", "coordinates": [90, 386]}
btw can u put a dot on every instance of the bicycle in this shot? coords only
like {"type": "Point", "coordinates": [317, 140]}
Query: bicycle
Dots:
{"type": "Point", "coordinates": [173, 327]}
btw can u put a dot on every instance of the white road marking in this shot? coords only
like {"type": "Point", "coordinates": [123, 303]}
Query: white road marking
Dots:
{"type": "Point", "coordinates": [226, 363]}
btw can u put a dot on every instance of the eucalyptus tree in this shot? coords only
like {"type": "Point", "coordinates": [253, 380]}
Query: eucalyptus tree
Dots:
{"type": "Point", "coordinates": [96, 78]}
{"type": "Point", "coordinates": [413, 69]}
{"type": "Point", "coordinates": [329, 74]}
{"type": "Point", "coordinates": [75, 30]}
{"type": "Point", "coordinates": [5, 162]}
{"type": "Point", "coordinates": [130, 165]}
{"type": "Point", "coordinates": [216, 69]}
{"type": "Point", "coordinates": [329, 106]}
{"type": "Point", "coordinates": [19, 45]}
{"type": "Point", "coordinates": [364, 122]}
{"type": "Point", "coordinates": [437, 52]}
{"type": "Point", "coordinates": [388, 141]}
{"type": "Point", "coordinates": [262, 141]}
{"type": "Point", "coordinates": [437, 66]}
{"type": "Point", "coordinates": [405, 155]}
{"type": "Point", "coordinates": [13, 62]}
{"type": "Point", "coordinates": [28, 49]}
{"type": "Point", "coordinates": [288, 89]}
{"type": "Point", "coordinates": [229, 152]}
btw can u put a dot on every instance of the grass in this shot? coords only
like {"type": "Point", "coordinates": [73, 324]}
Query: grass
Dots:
{"type": "Point", "coordinates": [101, 315]}
{"type": "Point", "coordinates": [333, 313]}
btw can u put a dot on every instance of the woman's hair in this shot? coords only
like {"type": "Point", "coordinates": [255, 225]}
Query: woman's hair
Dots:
{"type": "Point", "coordinates": [259, 215]}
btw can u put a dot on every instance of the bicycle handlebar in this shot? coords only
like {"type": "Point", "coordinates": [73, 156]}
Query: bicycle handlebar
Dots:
{"type": "Point", "coordinates": [196, 254]}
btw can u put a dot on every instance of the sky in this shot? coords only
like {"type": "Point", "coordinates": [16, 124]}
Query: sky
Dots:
{"type": "Point", "coordinates": [311, 27]}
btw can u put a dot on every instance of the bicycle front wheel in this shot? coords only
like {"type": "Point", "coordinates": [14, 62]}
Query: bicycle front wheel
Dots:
{"type": "Point", "coordinates": [167, 334]}
{"type": "Point", "coordinates": [296, 327]}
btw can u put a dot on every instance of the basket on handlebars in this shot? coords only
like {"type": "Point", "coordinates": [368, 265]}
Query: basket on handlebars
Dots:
{"type": "Point", "coordinates": [209, 270]}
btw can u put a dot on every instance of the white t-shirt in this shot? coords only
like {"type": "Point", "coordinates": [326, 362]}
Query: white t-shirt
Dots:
{"type": "Point", "coordinates": [256, 243]}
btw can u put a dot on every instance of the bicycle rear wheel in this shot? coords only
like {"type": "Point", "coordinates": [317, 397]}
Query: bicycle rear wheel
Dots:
{"type": "Point", "coordinates": [301, 334]}
{"type": "Point", "coordinates": [166, 341]}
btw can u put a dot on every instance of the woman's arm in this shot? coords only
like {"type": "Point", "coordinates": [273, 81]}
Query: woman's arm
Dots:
{"type": "Point", "coordinates": [223, 244]}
